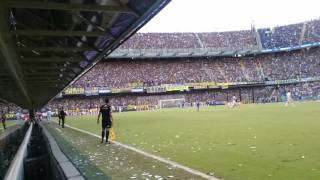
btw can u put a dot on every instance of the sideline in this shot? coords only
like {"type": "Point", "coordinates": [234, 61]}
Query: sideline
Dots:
{"type": "Point", "coordinates": [172, 163]}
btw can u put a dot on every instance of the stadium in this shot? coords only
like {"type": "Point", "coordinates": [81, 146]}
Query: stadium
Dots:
{"type": "Point", "coordinates": [232, 105]}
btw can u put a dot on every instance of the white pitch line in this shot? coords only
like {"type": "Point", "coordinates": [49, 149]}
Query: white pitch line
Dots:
{"type": "Point", "coordinates": [58, 129]}
{"type": "Point", "coordinates": [172, 163]}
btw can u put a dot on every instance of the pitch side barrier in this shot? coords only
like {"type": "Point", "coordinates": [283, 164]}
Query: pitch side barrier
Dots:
{"type": "Point", "coordinates": [203, 52]}
{"type": "Point", "coordinates": [61, 166]}
{"type": "Point", "coordinates": [39, 157]}
{"type": "Point", "coordinates": [16, 169]}
{"type": "Point", "coordinates": [10, 141]}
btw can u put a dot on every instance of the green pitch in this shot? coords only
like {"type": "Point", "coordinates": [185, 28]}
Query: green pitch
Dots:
{"type": "Point", "coordinates": [249, 142]}
{"type": "Point", "coordinates": [8, 124]}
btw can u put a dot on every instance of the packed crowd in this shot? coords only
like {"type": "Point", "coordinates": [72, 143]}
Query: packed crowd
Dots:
{"type": "Point", "coordinates": [218, 40]}
{"type": "Point", "coordinates": [9, 108]}
{"type": "Point", "coordinates": [282, 36]}
{"type": "Point", "coordinates": [280, 66]}
{"type": "Point", "coordinates": [312, 33]}
{"type": "Point", "coordinates": [301, 91]}
{"type": "Point", "coordinates": [277, 37]}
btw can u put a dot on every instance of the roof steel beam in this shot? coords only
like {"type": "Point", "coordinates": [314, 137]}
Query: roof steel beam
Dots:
{"type": "Point", "coordinates": [58, 33]}
{"type": "Point", "coordinates": [10, 59]}
{"type": "Point", "coordinates": [56, 49]}
{"type": "Point", "coordinates": [54, 27]}
{"type": "Point", "coordinates": [50, 59]}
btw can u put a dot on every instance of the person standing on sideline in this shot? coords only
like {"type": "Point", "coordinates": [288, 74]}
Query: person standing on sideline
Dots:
{"type": "Point", "coordinates": [106, 124]}
{"type": "Point", "coordinates": [62, 116]}
{"type": "Point", "coordinates": [49, 114]}
{"type": "Point", "coordinates": [59, 117]}
{"type": "Point", "coordinates": [3, 119]}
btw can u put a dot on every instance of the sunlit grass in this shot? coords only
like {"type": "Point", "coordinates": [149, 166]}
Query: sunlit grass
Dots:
{"type": "Point", "coordinates": [268, 141]}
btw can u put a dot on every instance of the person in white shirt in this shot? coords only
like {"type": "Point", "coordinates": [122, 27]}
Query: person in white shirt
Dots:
{"type": "Point", "coordinates": [289, 99]}
{"type": "Point", "coordinates": [49, 114]}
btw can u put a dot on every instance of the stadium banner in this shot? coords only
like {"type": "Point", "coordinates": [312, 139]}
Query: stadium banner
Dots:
{"type": "Point", "coordinates": [287, 81]}
{"type": "Point", "coordinates": [224, 85]}
{"type": "Point", "coordinates": [155, 89]}
{"type": "Point", "coordinates": [95, 91]}
{"type": "Point", "coordinates": [87, 91]}
{"type": "Point", "coordinates": [74, 91]}
{"type": "Point", "coordinates": [91, 91]}
{"type": "Point", "coordinates": [212, 85]}
{"type": "Point", "coordinates": [175, 87]}
{"type": "Point", "coordinates": [191, 85]}
{"type": "Point", "coordinates": [120, 90]}
{"type": "Point", "coordinates": [202, 85]}
{"type": "Point", "coordinates": [137, 90]}
{"type": "Point", "coordinates": [104, 90]}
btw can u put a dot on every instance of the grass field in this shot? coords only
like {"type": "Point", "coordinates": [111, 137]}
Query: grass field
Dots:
{"type": "Point", "coordinates": [255, 142]}
{"type": "Point", "coordinates": [98, 161]}
{"type": "Point", "coordinates": [8, 124]}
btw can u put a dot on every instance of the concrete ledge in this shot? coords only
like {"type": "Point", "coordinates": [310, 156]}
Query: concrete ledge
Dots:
{"type": "Point", "coordinates": [69, 170]}
{"type": "Point", "coordinates": [77, 178]}
{"type": "Point", "coordinates": [62, 166]}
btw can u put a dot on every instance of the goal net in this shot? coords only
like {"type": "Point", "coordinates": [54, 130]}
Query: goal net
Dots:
{"type": "Point", "coordinates": [168, 103]}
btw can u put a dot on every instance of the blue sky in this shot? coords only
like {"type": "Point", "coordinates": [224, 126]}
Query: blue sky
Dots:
{"type": "Point", "coordinates": [228, 15]}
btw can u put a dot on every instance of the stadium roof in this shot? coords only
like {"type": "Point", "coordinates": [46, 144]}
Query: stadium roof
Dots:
{"type": "Point", "coordinates": [45, 45]}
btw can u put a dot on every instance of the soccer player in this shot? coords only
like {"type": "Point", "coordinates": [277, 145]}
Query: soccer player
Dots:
{"type": "Point", "coordinates": [106, 124]}
{"type": "Point", "coordinates": [62, 116]}
{"type": "Point", "coordinates": [3, 120]}
{"type": "Point", "coordinates": [198, 106]}
{"type": "Point", "coordinates": [289, 99]}
{"type": "Point", "coordinates": [233, 102]}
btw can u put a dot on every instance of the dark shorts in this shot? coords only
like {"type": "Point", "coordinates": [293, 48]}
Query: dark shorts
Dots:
{"type": "Point", "coordinates": [106, 124]}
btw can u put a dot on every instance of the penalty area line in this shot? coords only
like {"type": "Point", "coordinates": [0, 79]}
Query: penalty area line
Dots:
{"type": "Point", "coordinates": [166, 161]}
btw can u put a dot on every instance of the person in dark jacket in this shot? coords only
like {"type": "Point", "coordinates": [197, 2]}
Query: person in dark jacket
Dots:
{"type": "Point", "coordinates": [106, 124]}
{"type": "Point", "coordinates": [62, 116]}
{"type": "Point", "coordinates": [3, 119]}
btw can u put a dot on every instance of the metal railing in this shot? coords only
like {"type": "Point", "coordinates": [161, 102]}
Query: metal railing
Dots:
{"type": "Point", "coordinates": [185, 50]}
{"type": "Point", "coordinates": [16, 169]}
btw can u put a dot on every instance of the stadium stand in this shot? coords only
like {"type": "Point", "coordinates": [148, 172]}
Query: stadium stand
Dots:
{"type": "Point", "coordinates": [219, 40]}
{"type": "Point", "coordinates": [312, 33]}
{"type": "Point", "coordinates": [277, 37]}
{"type": "Point", "coordinates": [258, 78]}
{"type": "Point", "coordinates": [281, 66]}
{"type": "Point", "coordinates": [295, 71]}
{"type": "Point", "coordinates": [282, 36]}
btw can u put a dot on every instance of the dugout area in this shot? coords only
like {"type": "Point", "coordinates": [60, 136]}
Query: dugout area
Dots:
{"type": "Point", "coordinates": [46, 45]}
